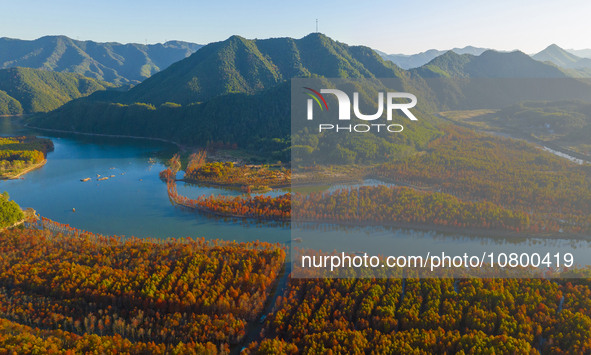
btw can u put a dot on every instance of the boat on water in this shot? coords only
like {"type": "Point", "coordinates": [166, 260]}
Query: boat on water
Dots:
{"type": "Point", "coordinates": [359, 253]}
{"type": "Point", "coordinates": [103, 178]}
{"type": "Point", "coordinates": [85, 180]}
{"type": "Point", "coordinates": [298, 240]}
{"type": "Point", "coordinates": [112, 176]}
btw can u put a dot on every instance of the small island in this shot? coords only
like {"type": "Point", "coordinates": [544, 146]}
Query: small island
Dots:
{"type": "Point", "coordinates": [250, 178]}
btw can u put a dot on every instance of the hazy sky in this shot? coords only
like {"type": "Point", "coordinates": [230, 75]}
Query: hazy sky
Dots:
{"type": "Point", "coordinates": [390, 26]}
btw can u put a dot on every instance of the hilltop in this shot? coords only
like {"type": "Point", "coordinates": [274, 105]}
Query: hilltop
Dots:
{"type": "Point", "coordinates": [562, 58]}
{"type": "Point", "coordinates": [239, 65]}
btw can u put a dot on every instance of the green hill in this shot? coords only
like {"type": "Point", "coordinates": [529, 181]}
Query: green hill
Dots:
{"type": "Point", "coordinates": [113, 62]}
{"type": "Point", "coordinates": [25, 90]}
{"type": "Point", "coordinates": [251, 66]}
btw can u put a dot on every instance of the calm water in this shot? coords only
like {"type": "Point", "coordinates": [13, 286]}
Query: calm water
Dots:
{"type": "Point", "coordinates": [124, 205]}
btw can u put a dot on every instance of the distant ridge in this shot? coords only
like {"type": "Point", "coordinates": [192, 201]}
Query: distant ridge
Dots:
{"type": "Point", "coordinates": [490, 64]}
{"type": "Point", "coordinates": [416, 60]}
{"type": "Point", "coordinates": [562, 58]}
{"type": "Point", "coordinates": [583, 53]}
{"type": "Point", "coordinates": [113, 62]}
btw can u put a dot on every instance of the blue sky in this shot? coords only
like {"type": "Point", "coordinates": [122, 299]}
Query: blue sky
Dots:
{"type": "Point", "coordinates": [390, 26]}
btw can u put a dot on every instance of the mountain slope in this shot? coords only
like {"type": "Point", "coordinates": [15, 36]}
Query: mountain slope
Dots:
{"type": "Point", "coordinates": [25, 90]}
{"type": "Point", "coordinates": [250, 66]}
{"type": "Point", "coordinates": [113, 62]}
{"type": "Point", "coordinates": [562, 58]}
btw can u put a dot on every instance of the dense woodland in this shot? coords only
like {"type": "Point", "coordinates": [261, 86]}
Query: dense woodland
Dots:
{"type": "Point", "coordinates": [67, 291]}
{"type": "Point", "coordinates": [513, 174]}
{"type": "Point", "coordinates": [391, 205]}
{"type": "Point", "coordinates": [165, 292]}
{"type": "Point", "coordinates": [430, 316]}
{"type": "Point", "coordinates": [259, 207]}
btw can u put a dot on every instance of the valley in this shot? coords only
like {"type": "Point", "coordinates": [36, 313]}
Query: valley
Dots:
{"type": "Point", "coordinates": [175, 188]}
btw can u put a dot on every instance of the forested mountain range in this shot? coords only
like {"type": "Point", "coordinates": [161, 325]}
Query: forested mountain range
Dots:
{"type": "Point", "coordinates": [237, 91]}
{"type": "Point", "coordinates": [113, 62]}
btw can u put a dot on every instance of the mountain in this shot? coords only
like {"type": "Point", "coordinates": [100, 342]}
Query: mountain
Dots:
{"type": "Point", "coordinates": [235, 91]}
{"type": "Point", "coordinates": [562, 58]}
{"type": "Point", "coordinates": [25, 90]}
{"type": "Point", "coordinates": [113, 62]}
{"type": "Point", "coordinates": [489, 64]}
{"type": "Point", "coordinates": [416, 60]}
{"type": "Point", "coordinates": [238, 91]}
{"type": "Point", "coordinates": [251, 66]}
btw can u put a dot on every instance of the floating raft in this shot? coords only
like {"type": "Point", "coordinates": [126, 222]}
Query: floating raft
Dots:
{"type": "Point", "coordinates": [103, 178]}
{"type": "Point", "coordinates": [85, 180]}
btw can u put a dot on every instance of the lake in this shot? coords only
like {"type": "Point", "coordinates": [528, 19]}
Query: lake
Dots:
{"type": "Point", "coordinates": [134, 204]}
{"type": "Point", "coordinates": [137, 204]}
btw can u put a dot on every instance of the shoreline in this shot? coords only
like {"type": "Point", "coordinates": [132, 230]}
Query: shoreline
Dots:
{"type": "Point", "coordinates": [237, 186]}
{"type": "Point", "coordinates": [221, 214]}
{"type": "Point", "coordinates": [109, 135]}
{"type": "Point", "coordinates": [25, 171]}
